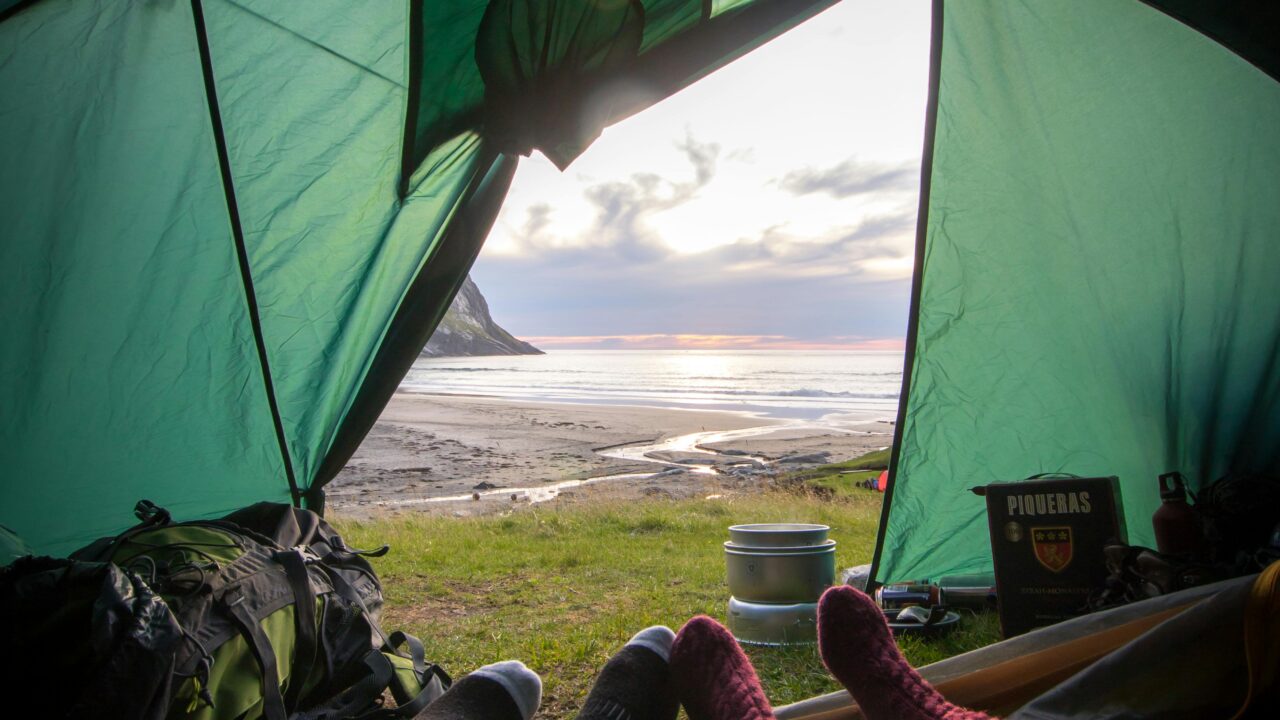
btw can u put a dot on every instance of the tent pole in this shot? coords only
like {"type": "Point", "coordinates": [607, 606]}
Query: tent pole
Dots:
{"type": "Point", "coordinates": [242, 254]}
{"type": "Point", "coordinates": [917, 278]}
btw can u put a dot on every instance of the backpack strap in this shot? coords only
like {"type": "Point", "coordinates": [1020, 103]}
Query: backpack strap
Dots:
{"type": "Point", "coordinates": [430, 691]}
{"type": "Point", "coordinates": [417, 652]}
{"type": "Point", "coordinates": [272, 701]}
{"type": "Point", "coordinates": [360, 695]}
{"type": "Point", "coordinates": [433, 680]}
{"type": "Point", "coordinates": [324, 548]}
{"type": "Point", "coordinates": [347, 592]}
{"type": "Point", "coordinates": [430, 676]}
{"type": "Point", "coordinates": [411, 695]}
{"type": "Point", "coordinates": [304, 620]}
{"type": "Point", "coordinates": [392, 643]}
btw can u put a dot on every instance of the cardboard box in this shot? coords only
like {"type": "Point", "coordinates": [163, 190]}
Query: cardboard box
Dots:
{"type": "Point", "coordinates": [1046, 541]}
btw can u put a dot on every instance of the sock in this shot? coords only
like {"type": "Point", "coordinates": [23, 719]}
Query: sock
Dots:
{"type": "Point", "coordinates": [502, 691]}
{"type": "Point", "coordinates": [713, 677]}
{"type": "Point", "coordinates": [636, 682]}
{"type": "Point", "coordinates": [858, 648]}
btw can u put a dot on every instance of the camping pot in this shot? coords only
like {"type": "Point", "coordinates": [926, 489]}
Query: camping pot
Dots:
{"type": "Point", "coordinates": [776, 535]}
{"type": "Point", "coordinates": [773, 624]}
{"type": "Point", "coordinates": [780, 575]}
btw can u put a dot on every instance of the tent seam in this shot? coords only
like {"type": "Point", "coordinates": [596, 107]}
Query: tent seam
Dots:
{"type": "Point", "coordinates": [309, 41]}
{"type": "Point", "coordinates": [237, 234]}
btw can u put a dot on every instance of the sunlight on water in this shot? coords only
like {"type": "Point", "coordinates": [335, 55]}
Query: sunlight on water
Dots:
{"type": "Point", "coordinates": [772, 383]}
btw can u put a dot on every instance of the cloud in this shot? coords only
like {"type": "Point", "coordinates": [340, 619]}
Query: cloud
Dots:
{"type": "Point", "coordinates": [852, 177]}
{"type": "Point", "coordinates": [841, 252]}
{"type": "Point", "coordinates": [622, 211]}
{"type": "Point", "coordinates": [537, 220]}
{"type": "Point", "coordinates": [844, 288]}
{"type": "Point", "coordinates": [702, 156]}
{"type": "Point", "coordinates": [617, 284]}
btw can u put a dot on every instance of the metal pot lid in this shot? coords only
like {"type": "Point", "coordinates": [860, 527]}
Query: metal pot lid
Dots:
{"type": "Point", "coordinates": [828, 546]}
{"type": "Point", "coordinates": [778, 527]}
{"type": "Point", "coordinates": [735, 549]}
{"type": "Point", "coordinates": [778, 534]}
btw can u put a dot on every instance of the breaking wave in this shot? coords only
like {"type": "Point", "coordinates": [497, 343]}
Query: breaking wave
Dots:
{"type": "Point", "coordinates": [777, 383]}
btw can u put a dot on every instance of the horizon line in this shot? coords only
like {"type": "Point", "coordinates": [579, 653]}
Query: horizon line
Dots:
{"type": "Point", "coordinates": [691, 341]}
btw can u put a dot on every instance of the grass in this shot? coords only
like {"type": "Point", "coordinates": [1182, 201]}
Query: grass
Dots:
{"type": "Point", "coordinates": [840, 479]}
{"type": "Point", "coordinates": [562, 589]}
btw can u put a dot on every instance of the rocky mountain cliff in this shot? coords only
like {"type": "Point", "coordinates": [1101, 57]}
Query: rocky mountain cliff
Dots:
{"type": "Point", "coordinates": [467, 329]}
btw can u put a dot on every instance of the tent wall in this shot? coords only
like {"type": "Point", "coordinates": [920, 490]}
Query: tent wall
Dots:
{"type": "Point", "coordinates": [231, 225]}
{"type": "Point", "coordinates": [1097, 271]}
{"type": "Point", "coordinates": [128, 363]}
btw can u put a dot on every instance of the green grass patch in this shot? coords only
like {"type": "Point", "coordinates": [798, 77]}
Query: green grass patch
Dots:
{"type": "Point", "coordinates": [562, 589]}
{"type": "Point", "coordinates": [840, 479]}
{"type": "Point", "coordinates": [877, 460]}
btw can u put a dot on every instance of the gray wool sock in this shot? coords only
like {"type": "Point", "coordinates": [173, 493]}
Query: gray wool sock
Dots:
{"type": "Point", "coordinates": [657, 638]}
{"type": "Point", "coordinates": [523, 684]}
{"type": "Point", "coordinates": [635, 684]}
{"type": "Point", "coordinates": [502, 691]}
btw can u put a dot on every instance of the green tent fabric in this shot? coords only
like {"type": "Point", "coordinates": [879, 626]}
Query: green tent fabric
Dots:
{"type": "Point", "coordinates": [230, 225]}
{"type": "Point", "coordinates": [1097, 267]}
{"type": "Point", "coordinates": [129, 363]}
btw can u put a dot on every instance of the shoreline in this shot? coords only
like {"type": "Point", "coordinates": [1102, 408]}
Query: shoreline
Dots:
{"type": "Point", "coordinates": [437, 453]}
{"type": "Point", "coordinates": [761, 411]}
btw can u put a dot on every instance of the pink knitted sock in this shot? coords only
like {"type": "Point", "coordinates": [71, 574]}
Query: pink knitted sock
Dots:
{"type": "Point", "coordinates": [713, 677]}
{"type": "Point", "coordinates": [858, 648]}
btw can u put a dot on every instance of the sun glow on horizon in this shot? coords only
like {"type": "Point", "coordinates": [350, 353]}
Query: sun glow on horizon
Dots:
{"type": "Point", "coordinates": [689, 341]}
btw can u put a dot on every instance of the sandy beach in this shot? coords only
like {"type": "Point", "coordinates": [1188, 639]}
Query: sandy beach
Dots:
{"type": "Point", "coordinates": [463, 455]}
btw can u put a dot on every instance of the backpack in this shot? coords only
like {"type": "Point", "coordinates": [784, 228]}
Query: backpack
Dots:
{"type": "Point", "coordinates": [269, 615]}
{"type": "Point", "coordinates": [85, 640]}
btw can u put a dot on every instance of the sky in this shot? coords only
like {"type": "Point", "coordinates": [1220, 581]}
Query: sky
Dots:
{"type": "Point", "coordinates": [770, 205]}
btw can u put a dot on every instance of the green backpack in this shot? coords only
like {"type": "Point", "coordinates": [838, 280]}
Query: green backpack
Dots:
{"type": "Point", "coordinates": [278, 618]}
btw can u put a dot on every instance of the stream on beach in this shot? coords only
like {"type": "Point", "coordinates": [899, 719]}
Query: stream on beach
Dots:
{"type": "Point", "coordinates": [689, 453]}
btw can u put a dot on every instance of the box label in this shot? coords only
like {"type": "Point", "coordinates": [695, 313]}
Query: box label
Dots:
{"type": "Point", "coordinates": [1047, 538]}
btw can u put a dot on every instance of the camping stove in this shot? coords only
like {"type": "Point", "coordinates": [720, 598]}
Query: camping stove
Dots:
{"type": "Point", "coordinates": [776, 574]}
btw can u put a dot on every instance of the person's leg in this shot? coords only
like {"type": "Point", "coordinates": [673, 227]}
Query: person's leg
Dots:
{"type": "Point", "coordinates": [713, 677]}
{"type": "Point", "coordinates": [857, 646]}
{"type": "Point", "coordinates": [502, 691]}
{"type": "Point", "coordinates": [636, 682]}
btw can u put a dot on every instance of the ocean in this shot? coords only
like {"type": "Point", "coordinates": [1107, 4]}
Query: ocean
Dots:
{"type": "Point", "coordinates": [800, 385]}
